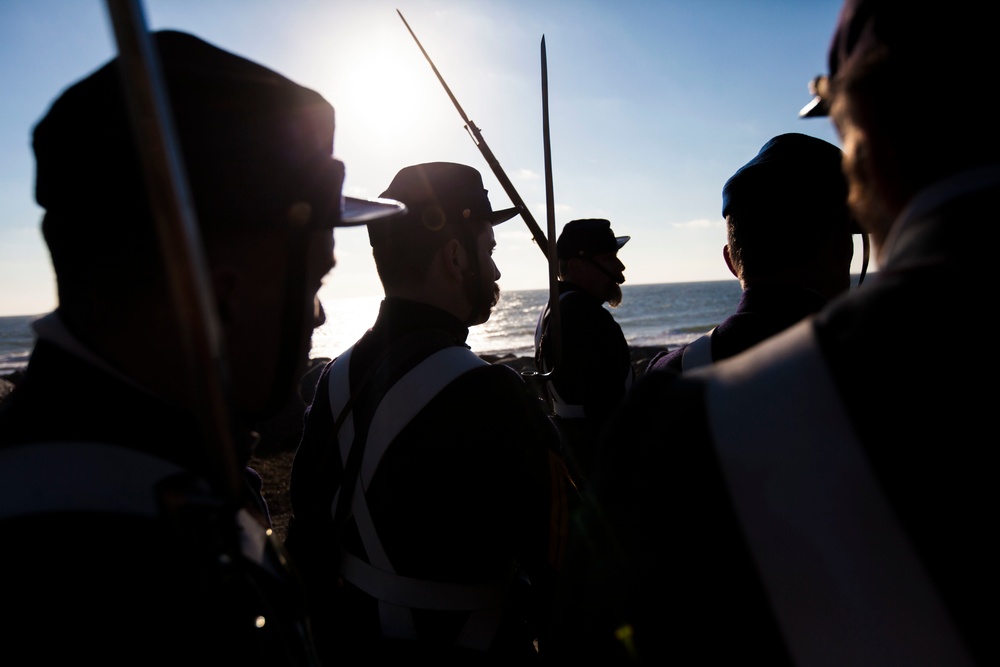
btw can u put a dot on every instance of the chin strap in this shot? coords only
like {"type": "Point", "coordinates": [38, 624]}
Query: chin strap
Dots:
{"type": "Point", "coordinates": [609, 274]}
{"type": "Point", "coordinates": [866, 252]}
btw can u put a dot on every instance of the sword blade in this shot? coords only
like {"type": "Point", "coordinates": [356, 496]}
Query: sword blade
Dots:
{"type": "Point", "coordinates": [555, 329]}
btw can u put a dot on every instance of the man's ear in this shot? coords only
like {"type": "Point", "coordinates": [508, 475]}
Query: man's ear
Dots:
{"type": "Point", "coordinates": [729, 261]}
{"type": "Point", "coordinates": [454, 259]}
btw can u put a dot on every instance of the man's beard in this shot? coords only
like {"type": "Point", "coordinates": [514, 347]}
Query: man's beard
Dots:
{"type": "Point", "coordinates": [482, 305]}
{"type": "Point", "coordinates": [614, 295]}
{"type": "Point", "coordinates": [486, 309]}
{"type": "Point", "coordinates": [495, 298]}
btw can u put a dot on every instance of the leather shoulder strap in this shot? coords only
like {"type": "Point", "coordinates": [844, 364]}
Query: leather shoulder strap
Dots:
{"type": "Point", "coordinates": [55, 477]}
{"type": "Point", "coordinates": [697, 353]}
{"type": "Point", "coordinates": [846, 583]}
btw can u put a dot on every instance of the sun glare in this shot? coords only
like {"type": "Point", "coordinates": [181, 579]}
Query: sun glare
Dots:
{"type": "Point", "coordinates": [385, 93]}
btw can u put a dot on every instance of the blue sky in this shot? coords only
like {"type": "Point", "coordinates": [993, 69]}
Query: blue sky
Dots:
{"type": "Point", "coordinates": [653, 104]}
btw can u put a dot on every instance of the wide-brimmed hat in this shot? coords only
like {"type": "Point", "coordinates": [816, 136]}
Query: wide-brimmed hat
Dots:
{"type": "Point", "coordinates": [435, 193]}
{"type": "Point", "coordinates": [588, 237]}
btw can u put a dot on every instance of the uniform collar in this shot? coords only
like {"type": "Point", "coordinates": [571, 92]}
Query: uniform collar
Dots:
{"type": "Point", "coordinates": [398, 316]}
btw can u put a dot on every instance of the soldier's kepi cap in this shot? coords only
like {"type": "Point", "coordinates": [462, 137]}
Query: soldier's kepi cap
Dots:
{"type": "Point", "coordinates": [256, 147]}
{"type": "Point", "coordinates": [953, 44]}
{"type": "Point", "coordinates": [436, 193]}
{"type": "Point", "coordinates": [857, 33]}
{"type": "Point", "coordinates": [588, 237]}
{"type": "Point", "coordinates": [791, 174]}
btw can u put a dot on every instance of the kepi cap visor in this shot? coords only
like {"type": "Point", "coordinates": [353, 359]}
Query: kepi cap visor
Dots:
{"type": "Point", "coordinates": [356, 211]}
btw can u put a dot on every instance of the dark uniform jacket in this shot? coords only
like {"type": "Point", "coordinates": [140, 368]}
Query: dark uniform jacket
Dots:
{"type": "Point", "coordinates": [114, 550]}
{"type": "Point", "coordinates": [898, 448]}
{"type": "Point", "coordinates": [469, 492]}
{"type": "Point", "coordinates": [762, 312]}
{"type": "Point", "coordinates": [596, 369]}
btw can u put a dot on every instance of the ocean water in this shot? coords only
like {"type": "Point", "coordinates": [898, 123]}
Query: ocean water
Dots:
{"type": "Point", "coordinates": [16, 339]}
{"type": "Point", "coordinates": [662, 315]}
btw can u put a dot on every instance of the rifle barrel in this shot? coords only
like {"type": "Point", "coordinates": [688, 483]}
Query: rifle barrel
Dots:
{"type": "Point", "coordinates": [491, 160]}
{"type": "Point", "coordinates": [180, 245]}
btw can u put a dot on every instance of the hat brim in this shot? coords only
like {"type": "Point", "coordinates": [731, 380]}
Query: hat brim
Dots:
{"type": "Point", "coordinates": [503, 215]}
{"type": "Point", "coordinates": [621, 240]}
{"type": "Point", "coordinates": [357, 211]}
{"type": "Point", "coordinates": [817, 108]}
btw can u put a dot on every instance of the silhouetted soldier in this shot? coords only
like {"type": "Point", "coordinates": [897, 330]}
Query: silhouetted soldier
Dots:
{"type": "Point", "coordinates": [788, 243]}
{"type": "Point", "coordinates": [429, 501]}
{"type": "Point", "coordinates": [594, 371]}
{"type": "Point", "coordinates": [125, 547]}
{"type": "Point", "coordinates": [822, 498]}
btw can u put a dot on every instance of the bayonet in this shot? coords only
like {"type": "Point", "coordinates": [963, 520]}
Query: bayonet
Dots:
{"type": "Point", "coordinates": [491, 160]}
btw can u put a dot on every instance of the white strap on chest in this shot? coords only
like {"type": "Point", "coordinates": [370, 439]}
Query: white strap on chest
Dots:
{"type": "Point", "coordinates": [403, 401]}
{"type": "Point", "coordinates": [843, 578]}
{"type": "Point", "coordinates": [697, 353]}
{"type": "Point", "coordinates": [398, 595]}
{"type": "Point", "coordinates": [540, 326]}
{"type": "Point", "coordinates": [98, 478]}
{"type": "Point", "coordinates": [57, 477]}
{"type": "Point", "coordinates": [408, 396]}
